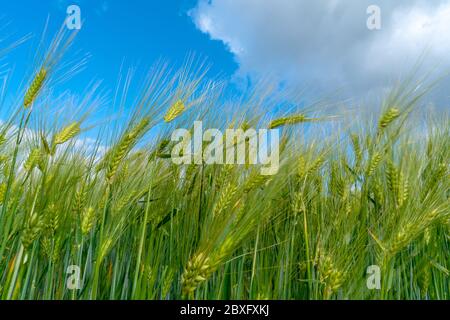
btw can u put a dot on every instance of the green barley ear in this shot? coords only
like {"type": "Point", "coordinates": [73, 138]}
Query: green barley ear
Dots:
{"type": "Point", "coordinates": [51, 219]}
{"type": "Point", "coordinates": [436, 177]}
{"type": "Point", "coordinates": [427, 235]}
{"type": "Point", "coordinates": [2, 192]}
{"type": "Point", "coordinates": [317, 164]}
{"type": "Point", "coordinates": [412, 230]}
{"type": "Point", "coordinates": [80, 200]}
{"type": "Point", "coordinates": [424, 280]}
{"type": "Point", "coordinates": [87, 221]}
{"type": "Point", "coordinates": [34, 88]}
{"type": "Point", "coordinates": [302, 168]}
{"type": "Point", "coordinates": [34, 160]}
{"type": "Point", "coordinates": [51, 248]}
{"type": "Point", "coordinates": [124, 146]}
{"type": "Point", "coordinates": [66, 134]}
{"type": "Point", "coordinates": [392, 176]}
{"type": "Point", "coordinates": [373, 163]}
{"type": "Point", "coordinates": [337, 183]}
{"type": "Point", "coordinates": [119, 154]}
{"type": "Point", "coordinates": [378, 192]}
{"type": "Point", "coordinates": [174, 111]}
{"type": "Point", "coordinates": [225, 198]}
{"type": "Point", "coordinates": [388, 117]}
{"type": "Point", "coordinates": [126, 200]}
{"type": "Point", "coordinates": [167, 283]}
{"type": "Point", "coordinates": [403, 189]}
{"type": "Point", "coordinates": [224, 175]}
{"type": "Point", "coordinates": [357, 149]}
{"type": "Point", "coordinates": [255, 181]}
{"type": "Point", "coordinates": [45, 144]}
{"type": "Point", "coordinates": [105, 247]}
{"type": "Point", "coordinates": [31, 231]}
{"type": "Point", "coordinates": [196, 272]}
{"type": "Point", "coordinates": [288, 121]}
{"type": "Point", "coordinates": [2, 138]}
{"type": "Point", "coordinates": [403, 238]}
{"type": "Point", "coordinates": [332, 277]}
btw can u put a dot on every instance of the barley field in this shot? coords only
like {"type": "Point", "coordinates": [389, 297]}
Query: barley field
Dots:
{"type": "Point", "coordinates": [112, 217]}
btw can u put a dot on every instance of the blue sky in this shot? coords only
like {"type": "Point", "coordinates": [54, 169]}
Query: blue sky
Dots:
{"type": "Point", "coordinates": [138, 32]}
{"type": "Point", "coordinates": [322, 45]}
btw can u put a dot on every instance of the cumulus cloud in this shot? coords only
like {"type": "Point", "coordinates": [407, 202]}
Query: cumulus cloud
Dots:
{"type": "Point", "coordinates": [326, 43]}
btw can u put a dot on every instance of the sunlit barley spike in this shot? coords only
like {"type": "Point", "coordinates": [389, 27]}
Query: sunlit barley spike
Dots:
{"type": "Point", "coordinates": [220, 255]}
{"type": "Point", "coordinates": [390, 115]}
{"type": "Point", "coordinates": [301, 167]}
{"type": "Point", "coordinates": [287, 121]}
{"type": "Point", "coordinates": [52, 219]}
{"type": "Point", "coordinates": [46, 245]}
{"type": "Point", "coordinates": [373, 164]}
{"type": "Point", "coordinates": [117, 157]}
{"type": "Point", "coordinates": [174, 111]}
{"type": "Point", "coordinates": [2, 192]}
{"type": "Point", "coordinates": [88, 220]}
{"type": "Point", "coordinates": [224, 175]}
{"type": "Point", "coordinates": [317, 164]}
{"type": "Point", "coordinates": [80, 200]}
{"type": "Point", "coordinates": [138, 130]}
{"type": "Point", "coordinates": [45, 144]}
{"type": "Point", "coordinates": [167, 284]}
{"type": "Point", "coordinates": [255, 181]}
{"type": "Point", "coordinates": [123, 172]}
{"type": "Point", "coordinates": [126, 200]}
{"type": "Point", "coordinates": [403, 189]}
{"type": "Point", "coordinates": [427, 235]}
{"type": "Point", "coordinates": [435, 178]}
{"type": "Point", "coordinates": [51, 248]}
{"type": "Point", "coordinates": [103, 201]}
{"type": "Point", "coordinates": [124, 146]}
{"type": "Point", "coordinates": [356, 149]}
{"type": "Point", "coordinates": [341, 188]}
{"type": "Point", "coordinates": [392, 176]}
{"type": "Point", "coordinates": [196, 272]}
{"type": "Point", "coordinates": [404, 237]}
{"type": "Point", "coordinates": [240, 211]}
{"type": "Point", "coordinates": [2, 138]}
{"type": "Point", "coordinates": [430, 217]}
{"type": "Point", "coordinates": [56, 249]}
{"type": "Point", "coordinates": [31, 231]}
{"type": "Point", "coordinates": [326, 267]}
{"type": "Point", "coordinates": [35, 87]}
{"type": "Point", "coordinates": [105, 248]}
{"type": "Point", "coordinates": [424, 280]}
{"type": "Point", "coordinates": [333, 283]}
{"type": "Point", "coordinates": [378, 192]}
{"type": "Point", "coordinates": [67, 133]}
{"type": "Point", "coordinates": [348, 206]}
{"type": "Point", "coordinates": [225, 198]}
{"type": "Point", "coordinates": [33, 159]}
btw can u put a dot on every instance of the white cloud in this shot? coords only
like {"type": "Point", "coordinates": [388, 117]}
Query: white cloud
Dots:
{"type": "Point", "coordinates": [326, 43]}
